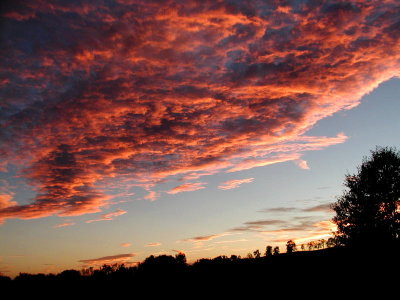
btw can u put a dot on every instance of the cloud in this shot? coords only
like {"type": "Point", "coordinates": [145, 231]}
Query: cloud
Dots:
{"type": "Point", "coordinates": [187, 187]}
{"type": "Point", "coordinates": [302, 164]}
{"type": "Point", "coordinates": [3, 166]}
{"type": "Point", "coordinates": [205, 238]}
{"type": "Point", "coordinates": [65, 224]}
{"type": "Point", "coordinates": [152, 196]}
{"type": "Point", "coordinates": [143, 94]}
{"type": "Point", "coordinates": [258, 225]}
{"type": "Point", "coordinates": [119, 258]}
{"type": "Point", "coordinates": [320, 208]}
{"type": "Point", "coordinates": [278, 209]}
{"type": "Point", "coordinates": [153, 244]}
{"type": "Point", "coordinates": [234, 183]}
{"type": "Point", "coordinates": [6, 201]}
{"type": "Point", "coordinates": [109, 216]}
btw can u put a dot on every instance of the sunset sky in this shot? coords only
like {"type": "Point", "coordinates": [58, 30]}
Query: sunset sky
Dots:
{"type": "Point", "coordinates": [138, 127]}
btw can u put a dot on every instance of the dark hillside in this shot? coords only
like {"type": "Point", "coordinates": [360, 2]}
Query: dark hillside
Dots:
{"type": "Point", "coordinates": [324, 269]}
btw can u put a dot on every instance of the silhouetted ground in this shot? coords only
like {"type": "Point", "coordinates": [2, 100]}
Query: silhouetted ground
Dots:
{"type": "Point", "coordinates": [334, 270]}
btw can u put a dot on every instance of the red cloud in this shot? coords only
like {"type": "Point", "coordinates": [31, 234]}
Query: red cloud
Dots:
{"type": "Point", "coordinates": [5, 201]}
{"type": "Point", "coordinates": [146, 93]}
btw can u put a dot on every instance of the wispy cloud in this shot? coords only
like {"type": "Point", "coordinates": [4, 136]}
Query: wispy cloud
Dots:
{"type": "Point", "coordinates": [65, 224]}
{"type": "Point", "coordinates": [278, 209]}
{"type": "Point", "coordinates": [234, 183]}
{"type": "Point", "coordinates": [204, 238]}
{"type": "Point", "coordinates": [160, 92]}
{"type": "Point", "coordinates": [153, 244]}
{"type": "Point", "coordinates": [118, 258]}
{"type": "Point", "coordinates": [125, 245]}
{"type": "Point", "coordinates": [109, 216]}
{"type": "Point", "coordinates": [187, 187]}
{"type": "Point", "coordinates": [258, 225]}
{"type": "Point", "coordinates": [152, 196]}
{"type": "Point", "coordinates": [319, 208]}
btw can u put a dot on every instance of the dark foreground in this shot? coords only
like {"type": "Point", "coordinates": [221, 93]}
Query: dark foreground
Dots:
{"type": "Point", "coordinates": [335, 270]}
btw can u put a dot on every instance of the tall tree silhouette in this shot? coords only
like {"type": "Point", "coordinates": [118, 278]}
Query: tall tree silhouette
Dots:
{"type": "Point", "coordinates": [268, 251]}
{"type": "Point", "coordinates": [290, 246]}
{"type": "Point", "coordinates": [369, 210]}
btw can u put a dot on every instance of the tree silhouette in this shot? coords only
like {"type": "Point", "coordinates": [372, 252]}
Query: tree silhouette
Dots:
{"type": "Point", "coordinates": [369, 210]}
{"type": "Point", "coordinates": [180, 258]}
{"type": "Point", "coordinates": [331, 242]}
{"type": "Point", "coordinates": [290, 246]}
{"type": "Point", "coordinates": [257, 253]}
{"type": "Point", "coordinates": [268, 251]}
{"type": "Point", "coordinates": [250, 255]}
{"type": "Point", "coordinates": [276, 250]}
{"type": "Point", "coordinates": [310, 245]}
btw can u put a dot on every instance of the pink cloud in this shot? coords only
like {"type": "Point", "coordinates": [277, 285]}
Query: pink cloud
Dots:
{"type": "Point", "coordinates": [125, 244]}
{"type": "Point", "coordinates": [65, 224]}
{"type": "Point", "coordinates": [235, 183]}
{"type": "Point", "coordinates": [302, 164]}
{"type": "Point", "coordinates": [253, 163]}
{"type": "Point", "coordinates": [152, 196]}
{"type": "Point", "coordinates": [187, 187]}
{"type": "Point", "coordinates": [108, 216]}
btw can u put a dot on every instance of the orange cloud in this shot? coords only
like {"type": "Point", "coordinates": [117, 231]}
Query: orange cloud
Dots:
{"type": "Point", "coordinates": [234, 183]}
{"type": "Point", "coordinates": [65, 224]}
{"type": "Point", "coordinates": [5, 201]}
{"type": "Point", "coordinates": [170, 91]}
{"type": "Point", "coordinates": [125, 244]}
{"type": "Point", "coordinates": [153, 245]}
{"type": "Point", "coordinates": [187, 187]}
{"type": "Point", "coordinates": [109, 216]}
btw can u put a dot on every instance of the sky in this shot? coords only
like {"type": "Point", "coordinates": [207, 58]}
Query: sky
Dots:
{"type": "Point", "coordinates": [130, 128]}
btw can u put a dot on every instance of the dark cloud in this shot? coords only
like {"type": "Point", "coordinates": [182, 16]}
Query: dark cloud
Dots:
{"type": "Point", "coordinates": [259, 225]}
{"type": "Point", "coordinates": [320, 208]}
{"type": "Point", "coordinates": [118, 258]}
{"type": "Point", "coordinates": [149, 91]}
{"type": "Point", "coordinates": [278, 209]}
